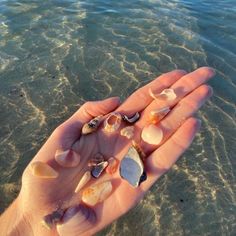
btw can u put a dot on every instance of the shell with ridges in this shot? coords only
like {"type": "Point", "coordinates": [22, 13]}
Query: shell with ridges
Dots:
{"type": "Point", "coordinates": [152, 134]}
{"type": "Point", "coordinates": [128, 132]}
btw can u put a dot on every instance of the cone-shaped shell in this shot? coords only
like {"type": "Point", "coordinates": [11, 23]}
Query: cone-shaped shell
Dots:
{"type": "Point", "coordinates": [166, 94]}
{"type": "Point", "coordinates": [67, 158]}
{"type": "Point", "coordinates": [97, 193]}
{"type": "Point", "coordinates": [92, 125]}
{"type": "Point", "coordinates": [152, 134]}
{"type": "Point", "coordinates": [131, 167]}
{"type": "Point", "coordinates": [83, 181]}
{"type": "Point", "coordinates": [43, 170]}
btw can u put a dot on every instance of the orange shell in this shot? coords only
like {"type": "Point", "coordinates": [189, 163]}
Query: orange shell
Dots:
{"type": "Point", "coordinates": [112, 165]}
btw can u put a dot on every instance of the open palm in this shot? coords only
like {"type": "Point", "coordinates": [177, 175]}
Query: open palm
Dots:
{"type": "Point", "coordinates": [39, 197]}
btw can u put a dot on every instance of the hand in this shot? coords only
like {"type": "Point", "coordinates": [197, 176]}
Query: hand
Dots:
{"type": "Point", "coordinates": [39, 197]}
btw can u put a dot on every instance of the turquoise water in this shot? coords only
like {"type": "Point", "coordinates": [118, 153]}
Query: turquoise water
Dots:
{"type": "Point", "coordinates": [54, 55]}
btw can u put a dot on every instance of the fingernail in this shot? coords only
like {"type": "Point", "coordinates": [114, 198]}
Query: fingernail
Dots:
{"type": "Point", "coordinates": [76, 220]}
{"type": "Point", "coordinates": [67, 158]}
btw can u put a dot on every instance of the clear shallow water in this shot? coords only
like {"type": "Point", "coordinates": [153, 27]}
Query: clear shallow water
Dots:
{"type": "Point", "coordinates": [54, 55]}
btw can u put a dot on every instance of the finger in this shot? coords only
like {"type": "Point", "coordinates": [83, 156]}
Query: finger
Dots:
{"type": "Point", "coordinates": [140, 99]}
{"type": "Point", "coordinates": [182, 111]}
{"type": "Point", "coordinates": [67, 133]}
{"type": "Point", "coordinates": [185, 109]}
{"type": "Point", "coordinates": [163, 158]}
{"type": "Point", "coordinates": [186, 85]}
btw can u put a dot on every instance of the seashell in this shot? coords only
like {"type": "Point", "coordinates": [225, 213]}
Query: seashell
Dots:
{"type": "Point", "coordinates": [139, 149]}
{"type": "Point", "coordinates": [131, 119]}
{"type": "Point", "coordinates": [131, 167]}
{"type": "Point", "coordinates": [98, 169]}
{"type": "Point", "coordinates": [43, 170]}
{"type": "Point", "coordinates": [157, 115]}
{"type": "Point", "coordinates": [96, 159]}
{"type": "Point", "coordinates": [166, 94]}
{"type": "Point", "coordinates": [92, 125]}
{"type": "Point", "coordinates": [152, 134]}
{"type": "Point", "coordinates": [112, 122]}
{"type": "Point", "coordinates": [142, 178]}
{"type": "Point", "coordinates": [97, 193]}
{"type": "Point", "coordinates": [112, 165]}
{"type": "Point", "coordinates": [83, 181]}
{"type": "Point", "coordinates": [67, 158]}
{"type": "Point", "coordinates": [76, 220]}
{"type": "Point", "coordinates": [53, 218]}
{"type": "Point", "coordinates": [128, 132]}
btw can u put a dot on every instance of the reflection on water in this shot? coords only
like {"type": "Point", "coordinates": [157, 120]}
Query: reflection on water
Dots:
{"type": "Point", "coordinates": [55, 55]}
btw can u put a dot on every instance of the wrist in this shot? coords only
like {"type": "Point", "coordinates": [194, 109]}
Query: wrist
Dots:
{"type": "Point", "coordinates": [14, 222]}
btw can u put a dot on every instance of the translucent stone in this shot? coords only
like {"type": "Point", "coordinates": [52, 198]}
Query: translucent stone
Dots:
{"type": "Point", "coordinates": [97, 193]}
{"type": "Point", "coordinates": [43, 170]}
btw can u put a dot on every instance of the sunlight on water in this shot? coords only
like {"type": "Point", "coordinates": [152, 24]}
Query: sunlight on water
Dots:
{"type": "Point", "coordinates": [54, 55]}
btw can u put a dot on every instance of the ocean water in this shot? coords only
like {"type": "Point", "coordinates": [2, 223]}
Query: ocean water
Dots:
{"type": "Point", "coordinates": [54, 55]}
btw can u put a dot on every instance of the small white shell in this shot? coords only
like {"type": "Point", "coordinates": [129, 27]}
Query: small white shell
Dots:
{"type": "Point", "coordinates": [128, 132]}
{"type": "Point", "coordinates": [166, 94]}
{"type": "Point", "coordinates": [43, 170]}
{"type": "Point", "coordinates": [67, 158]}
{"type": "Point", "coordinates": [97, 193]}
{"type": "Point", "coordinates": [83, 181]}
{"type": "Point", "coordinates": [112, 122]}
{"type": "Point", "coordinates": [152, 134]}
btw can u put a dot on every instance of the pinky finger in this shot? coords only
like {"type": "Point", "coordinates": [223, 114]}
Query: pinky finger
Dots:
{"type": "Point", "coordinates": [162, 159]}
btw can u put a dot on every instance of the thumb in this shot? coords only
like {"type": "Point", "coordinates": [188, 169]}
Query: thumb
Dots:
{"type": "Point", "coordinates": [76, 220]}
